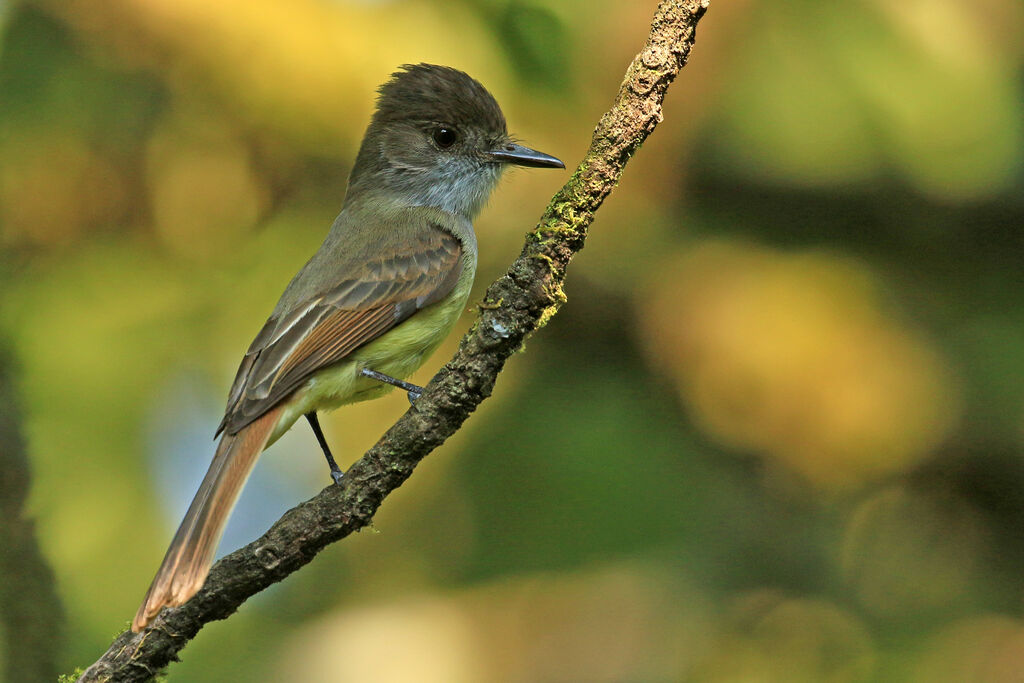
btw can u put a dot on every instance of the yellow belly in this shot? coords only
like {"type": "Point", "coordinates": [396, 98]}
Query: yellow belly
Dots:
{"type": "Point", "coordinates": [399, 352]}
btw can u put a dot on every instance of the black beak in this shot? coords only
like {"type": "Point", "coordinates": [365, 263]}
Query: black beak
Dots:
{"type": "Point", "coordinates": [524, 156]}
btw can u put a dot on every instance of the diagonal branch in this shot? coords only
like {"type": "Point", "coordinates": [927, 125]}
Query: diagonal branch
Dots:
{"type": "Point", "coordinates": [515, 305]}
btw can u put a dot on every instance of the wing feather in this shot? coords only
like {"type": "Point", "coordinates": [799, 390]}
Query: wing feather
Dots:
{"type": "Point", "coordinates": [381, 293]}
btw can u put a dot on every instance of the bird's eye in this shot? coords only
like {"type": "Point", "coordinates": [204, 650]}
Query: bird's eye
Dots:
{"type": "Point", "coordinates": [445, 137]}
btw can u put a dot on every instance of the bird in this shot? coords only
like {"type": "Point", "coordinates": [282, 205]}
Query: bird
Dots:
{"type": "Point", "coordinates": [385, 287]}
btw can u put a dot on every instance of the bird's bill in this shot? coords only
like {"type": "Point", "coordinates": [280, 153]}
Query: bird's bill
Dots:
{"type": "Point", "coordinates": [512, 153]}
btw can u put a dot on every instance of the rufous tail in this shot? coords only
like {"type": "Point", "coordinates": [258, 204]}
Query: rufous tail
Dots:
{"type": "Point", "coordinates": [190, 554]}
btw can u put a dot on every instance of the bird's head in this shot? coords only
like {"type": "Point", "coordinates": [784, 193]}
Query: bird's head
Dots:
{"type": "Point", "coordinates": [438, 138]}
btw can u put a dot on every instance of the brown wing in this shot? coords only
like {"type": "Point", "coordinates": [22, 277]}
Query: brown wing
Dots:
{"type": "Point", "coordinates": [322, 331]}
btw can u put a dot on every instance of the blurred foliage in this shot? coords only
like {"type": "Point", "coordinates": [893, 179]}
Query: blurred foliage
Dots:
{"type": "Point", "coordinates": [30, 629]}
{"type": "Point", "coordinates": [787, 390]}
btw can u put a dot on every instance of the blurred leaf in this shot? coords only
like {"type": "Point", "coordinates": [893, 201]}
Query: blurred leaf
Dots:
{"type": "Point", "coordinates": [909, 556]}
{"type": "Point", "coordinates": [70, 131]}
{"type": "Point", "coordinates": [792, 356]}
{"type": "Point", "coordinates": [46, 80]}
{"type": "Point", "coordinates": [991, 351]}
{"type": "Point", "coordinates": [834, 93]}
{"type": "Point", "coordinates": [536, 43]}
{"type": "Point", "coordinates": [779, 640]}
{"type": "Point", "coordinates": [986, 648]}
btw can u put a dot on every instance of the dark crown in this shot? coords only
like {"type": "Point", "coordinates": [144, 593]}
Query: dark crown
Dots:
{"type": "Point", "coordinates": [437, 94]}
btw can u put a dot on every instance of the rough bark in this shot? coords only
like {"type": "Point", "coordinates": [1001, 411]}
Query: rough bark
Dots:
{"type": "Point", "coordinates": [515, 306]}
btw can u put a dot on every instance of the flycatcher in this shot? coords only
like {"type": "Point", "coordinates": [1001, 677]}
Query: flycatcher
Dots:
{"type": "Point", "coordinates": [377, 298]}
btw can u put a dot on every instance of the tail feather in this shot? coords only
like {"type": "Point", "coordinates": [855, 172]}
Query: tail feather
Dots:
{"type": "Point", "coordinates": [190, 554]}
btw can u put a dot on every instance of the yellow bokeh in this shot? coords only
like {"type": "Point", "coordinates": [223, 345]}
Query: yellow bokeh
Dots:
{"type": "Point", "coordinates": [987, 648]}
{"type": "Point", "coordinates": [794, 357]}
{"type": "Point", "coordinates": [54, 187]}
{"type": "Point", "coordinates": [776, 639]}
{"type": "Point", "coordinates": [204, 193]}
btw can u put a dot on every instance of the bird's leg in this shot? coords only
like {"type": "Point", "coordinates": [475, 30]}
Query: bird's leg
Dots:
{"type": "Point", "coordinates": [412, 391]}
{"type": "Point", "coordinates": [336, 473]}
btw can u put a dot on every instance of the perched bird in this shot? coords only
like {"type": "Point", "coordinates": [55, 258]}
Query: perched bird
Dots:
{"type": "Point", "coordinates": [375, 300]}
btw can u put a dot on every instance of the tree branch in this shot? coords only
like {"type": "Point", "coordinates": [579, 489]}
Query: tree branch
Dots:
{"type": "Point", "coordinates": [515, 305]}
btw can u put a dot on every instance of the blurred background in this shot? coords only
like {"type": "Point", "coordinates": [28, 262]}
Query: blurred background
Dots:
{"type": "Point", "coordinates": [788, 384]}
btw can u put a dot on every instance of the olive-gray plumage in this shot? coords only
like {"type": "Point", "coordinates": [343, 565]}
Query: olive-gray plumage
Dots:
{"type": "Point", "coordinates": [381, 292]}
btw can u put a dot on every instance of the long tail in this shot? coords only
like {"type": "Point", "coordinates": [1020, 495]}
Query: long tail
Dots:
{"type": "Point", "coordinates": [190, 555]}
